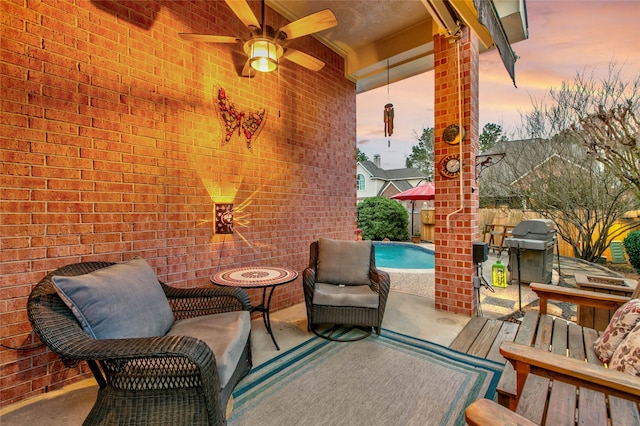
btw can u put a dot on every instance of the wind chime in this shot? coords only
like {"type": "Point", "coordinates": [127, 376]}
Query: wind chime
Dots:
{"type": "Point", "coordinates": [388, 120]}
{"type": "Point", "coordinates": [388, 113]}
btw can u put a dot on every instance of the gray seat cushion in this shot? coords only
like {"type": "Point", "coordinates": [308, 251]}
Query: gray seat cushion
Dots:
{"type": "Point", "coordinates": [119, 301]}
{"type": "Point", "coordinates": [343, 262]}
{"type": "Point", "coordinates": [359, 296]}
{"type": "Point", "coordinates": [226, 335]}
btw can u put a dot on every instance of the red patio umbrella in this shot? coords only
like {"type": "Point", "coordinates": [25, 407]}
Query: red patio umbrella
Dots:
{"type": "Point", "coordinates": [426, 191]}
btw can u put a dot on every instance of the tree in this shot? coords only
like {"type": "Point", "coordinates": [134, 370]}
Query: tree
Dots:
{"type": "Point", "coordinates": [422, 155]}
{"type": "Point", "coordinates": [612, 136]}
{"type": "Point", "coordinates": [491, 134]}
{"type": "Point", "coordinates": [361, 156]}
{"type": "Point", "coordinates": [381, 218]}
{"type": "Point", "coordinates": [559, 180]}
{"type": "Point", "coordinates": [600, 114]}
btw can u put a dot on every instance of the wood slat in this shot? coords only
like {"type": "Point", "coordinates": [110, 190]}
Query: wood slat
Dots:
{"type": "Point", "coordinates": [590, 337]}
{"type": "Point", "coordinates": [592, 408]}
{"type": "Point", "coordinates": [623, 412]}
{"type": "Point", "coordinates": [576, 342]}
{"type": "Point", "coordinates": [506, 387]}
{"type": "Point", "coordinates": [467, 336]}
{"type": "Point", "coordinates": [528, 327]}
{"type": "Point", "coordinates": [559, 338]}
{"type": "Point", "coordinates": [585, 316]}
{"type": "Point", "coordinates": [526, 336]}
{"type": "Point", "coordinates": [561, 409]}
{"type": "Point", "coordinates": [507, 333]}
{"type": "Point", "coordinates": [532, 404]}
{"type": "Point", "coordinates": [485, 339]}
{"type": "Point", "coordinates": [601, 317]}
{"type": "Point", "coordinates": [544, 333]}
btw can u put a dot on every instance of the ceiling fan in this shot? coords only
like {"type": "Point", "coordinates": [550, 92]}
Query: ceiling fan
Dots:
{"type": "Point", "coordinates": [265, 46]}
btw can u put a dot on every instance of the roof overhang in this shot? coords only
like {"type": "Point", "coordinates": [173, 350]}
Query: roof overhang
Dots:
{"type": "Point", "coordinates": [388, 41]}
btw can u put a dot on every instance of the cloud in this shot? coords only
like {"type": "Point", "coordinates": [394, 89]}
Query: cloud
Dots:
{"type": "Point", "coordinates": [565, 38]}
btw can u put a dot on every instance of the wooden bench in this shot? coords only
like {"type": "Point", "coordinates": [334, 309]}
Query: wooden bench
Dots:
{"type": "Point", "coordinates": [482, 337]}
{"type": "Point", "coordinates": [556, 390]}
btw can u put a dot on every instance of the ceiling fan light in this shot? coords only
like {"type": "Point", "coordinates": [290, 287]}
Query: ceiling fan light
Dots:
{"type": "Point", "coordinates": [263, 55]}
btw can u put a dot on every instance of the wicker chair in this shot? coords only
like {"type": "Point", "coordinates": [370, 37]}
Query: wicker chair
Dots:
{"type": "Point", "coordinates": [156, 380]}
{"type": "Point", "coordinates": [351, 314]}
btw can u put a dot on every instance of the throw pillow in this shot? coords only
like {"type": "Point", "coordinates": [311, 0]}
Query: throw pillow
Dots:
{"type": "Point", "coordinates": [120, 301]}
{"type": "Point", "coordinates": [622, 322]}
{"type": "Point", "coordinates": [626, 358]}
{"type": "Point", "coordinates": [343, 262]}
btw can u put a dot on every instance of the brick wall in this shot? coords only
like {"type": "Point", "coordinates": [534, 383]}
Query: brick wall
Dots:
{"type": "Point", "coordinates": [111, 148]}
{"type": "Point", "coordinates": [456, 230]}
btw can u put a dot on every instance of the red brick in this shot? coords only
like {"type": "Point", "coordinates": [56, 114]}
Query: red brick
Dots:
{"type": "Point", "coordinates": [454, 239]}
{"type": "Point", "coordinates": [111, 147]}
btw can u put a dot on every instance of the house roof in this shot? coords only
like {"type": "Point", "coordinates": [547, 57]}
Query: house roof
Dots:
{"type": "Point", "coordinates": [392, 174]}
{"type": "Point", "coordinates": [514, 160]}
{"type": "Point", "coordinates": [399, 185]}
{"type": "Point", "coordinates": [396, 178]}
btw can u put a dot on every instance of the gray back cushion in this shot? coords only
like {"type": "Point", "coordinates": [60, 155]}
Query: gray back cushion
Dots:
{"type": "Point", "coordinates": [343, 262]}
{"type": "Point", "coordinates": [119, 301]}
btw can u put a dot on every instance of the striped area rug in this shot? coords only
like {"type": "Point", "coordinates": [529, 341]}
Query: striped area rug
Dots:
{"type": "Point", "coordinates": [390, 379]}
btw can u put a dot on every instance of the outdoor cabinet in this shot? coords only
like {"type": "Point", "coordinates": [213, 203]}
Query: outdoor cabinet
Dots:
{"type": "Point", "coordinates": [428, 224]}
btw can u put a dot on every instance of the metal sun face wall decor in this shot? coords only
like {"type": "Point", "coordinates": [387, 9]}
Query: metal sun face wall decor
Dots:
{"type": "Point", "coordinates": [223, 219]}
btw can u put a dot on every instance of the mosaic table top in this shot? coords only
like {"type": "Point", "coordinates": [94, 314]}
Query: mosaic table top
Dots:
{"type": "Point", "coordinates": [256, 276]}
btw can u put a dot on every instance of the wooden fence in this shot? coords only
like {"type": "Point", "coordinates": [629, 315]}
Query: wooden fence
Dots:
{"type": "Point", "coordinates": [510, 218]}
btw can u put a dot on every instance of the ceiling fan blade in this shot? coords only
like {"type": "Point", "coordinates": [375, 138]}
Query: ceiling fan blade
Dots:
{"type": "Point", "coordinates": [303, 59]}
{"type": "Point", "coordinates": [246, 71]}
{"type": "Point", "coordinates": [207, 38]}
{"type": "Point", "coordinates": [243, 12]}
{"type": "Point", "coordinates": [313, 23]}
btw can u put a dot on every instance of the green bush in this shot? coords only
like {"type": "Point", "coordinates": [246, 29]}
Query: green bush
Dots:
{"type": "Point", "coordinates": [381, 218]}
{"type": "Point", "coordinates": [632, 247]}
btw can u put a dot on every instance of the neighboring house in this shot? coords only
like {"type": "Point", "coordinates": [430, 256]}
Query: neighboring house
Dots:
{"type": "Point", "coordinates": [514, 162]}
{"type": "Point", "coordinates": [372, 181]}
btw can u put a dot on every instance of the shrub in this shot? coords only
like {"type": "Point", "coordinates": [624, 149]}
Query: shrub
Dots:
{"type": "Point", "coordinates": [381, 218]}
{"type": "Point", "coordinates": [632, 247]}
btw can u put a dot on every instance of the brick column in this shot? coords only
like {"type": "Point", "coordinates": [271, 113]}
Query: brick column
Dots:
{"type": "Point", "coordinates": [456, 224]}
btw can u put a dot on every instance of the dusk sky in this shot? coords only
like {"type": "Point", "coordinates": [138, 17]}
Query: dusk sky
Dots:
{"type": "Point", "coordinates": [565, 37]}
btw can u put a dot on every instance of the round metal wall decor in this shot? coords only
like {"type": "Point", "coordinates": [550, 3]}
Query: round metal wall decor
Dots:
{"type": "Point", "coordinates": [450, 166]}
{"type": "Point", "coordinates": [453, 134]}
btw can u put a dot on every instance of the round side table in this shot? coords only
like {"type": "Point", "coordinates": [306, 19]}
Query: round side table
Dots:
{"type": "Point", "coordinates": [264, 277]}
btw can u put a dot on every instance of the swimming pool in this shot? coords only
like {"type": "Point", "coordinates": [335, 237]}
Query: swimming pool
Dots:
{"type": "Point", "coordinates": [403, 256]}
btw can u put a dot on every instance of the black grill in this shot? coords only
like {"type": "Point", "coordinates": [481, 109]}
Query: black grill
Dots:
{"type": "Point", "coordinates": [531, 251]}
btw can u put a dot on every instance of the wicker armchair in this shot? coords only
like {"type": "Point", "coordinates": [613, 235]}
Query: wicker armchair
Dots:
{"type": "Point", "coordinates": [155, 380]}
{"type": "Point", "coordinates": [349, 310]}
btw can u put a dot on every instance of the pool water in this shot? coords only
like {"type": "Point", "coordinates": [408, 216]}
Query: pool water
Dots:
{"type": "Point", "coordinates": [403, 256]}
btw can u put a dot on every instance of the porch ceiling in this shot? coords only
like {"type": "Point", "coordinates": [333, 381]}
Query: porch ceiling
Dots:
{"type": "Point", "coordinates": [390, 40]}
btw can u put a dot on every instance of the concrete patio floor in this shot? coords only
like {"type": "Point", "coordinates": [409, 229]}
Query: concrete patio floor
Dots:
{"type": "Point", "coordinates": [408, 314]}
{"type": "Point", "coordinates": [410, 310]}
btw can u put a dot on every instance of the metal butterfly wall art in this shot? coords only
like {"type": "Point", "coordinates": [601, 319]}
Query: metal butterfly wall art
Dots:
{"type": "Point", "coordinates": [246, 123]}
